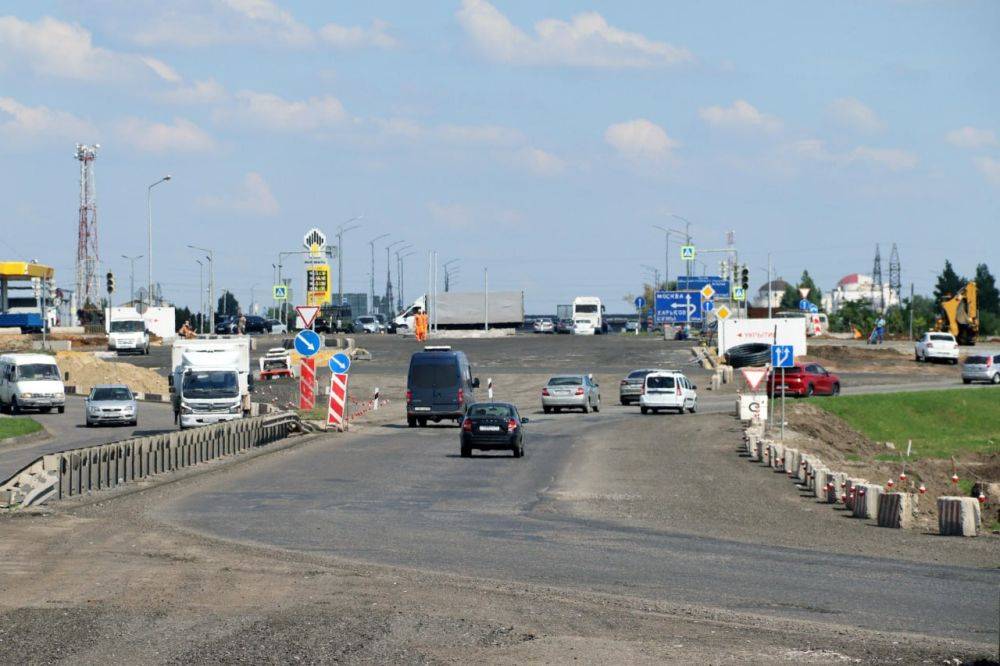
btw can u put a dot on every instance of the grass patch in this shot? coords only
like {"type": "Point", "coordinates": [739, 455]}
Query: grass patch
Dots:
{"type": "Point", "coordinates": [317, 413]}
{"type": "Point", "coordinates": [941, 424]}
{"type": "Point", "coordinates": [15, 427]}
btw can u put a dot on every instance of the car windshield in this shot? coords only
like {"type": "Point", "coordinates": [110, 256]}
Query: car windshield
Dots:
{"type": "Point", "coordinates": [128, 326]}
{"type": "Point", "coordinates": [211, 384]}
{"type": "Point", "coordinates": [977, 360]}
{"type": "Point", "coordinates": [37, 371]}
{"type": "Point", "coordinates": [111, 393]}
{"type": "Point", "coordinates": [943, 338]}
{"type": "Point", "coordinates": [585, 309]}
{"type": "Point", "coordinates": [490, 411]}
{"type": "Point", "coordinates": [565, 381]}
{"type": "Point", "coordinates": [434, 374]}
{"type": "Point", "coordinates": [660, 382]}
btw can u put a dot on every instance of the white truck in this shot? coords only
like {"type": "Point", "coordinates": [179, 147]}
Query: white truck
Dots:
{"type": "Point", "coordinates": [469, 310]}
{"type": "Point", "coordinates": [588, 315]}
{"type": "Point", "coordinates": [127, 333]}
{"type": "Point", "coordinates": [210, 380]}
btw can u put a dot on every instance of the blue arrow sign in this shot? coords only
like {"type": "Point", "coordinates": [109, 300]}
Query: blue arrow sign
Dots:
{"type": "Point", "coordinates": [696, 282]}
{"type": "Point", "coordinates": [678, 306]}
{"type": "Point", "coordinates": [813, 308]}
{"type": "Point", "coordinates": [707, 306]}
{"type": "Point", "coordinates": [782, 356]}
{"type": "Point", "coordinates": [640, 302]}
{"type": "Point", "coordinates": [307, 343]}
{"type": "Point", "coordinates": [804, 304]}
{"type": "Point", "coordinates": [340, 363]}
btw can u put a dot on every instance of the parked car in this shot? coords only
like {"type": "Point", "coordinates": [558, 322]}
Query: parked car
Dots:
{"type": "Point", "coordinates": [630, 388]}
{"type": "Point", "coordinates": [111, 404]}
{"type": "Point", "coordinates": [981, 368]}
{"type": "Point", "coordinates": [493, 426]}
{"type": "Point", "coordinates": [276, 327]}
{"type": "Point", "coordinates": [584, 327]}
{"type": "Point", "coordinates": [543, 326]}
{"type": "Point", "coordinates": [668, 390]}
{"type": "Point", "coordinates": [804, 380]}
{"type": "Point", "coordinates": [31, 381]}
{"type": "Point", "coordinates": [439, 385]}
{"type": "Point", "coordinates": [226, 325]}
{"type": "Point", "coordinates": [564, 326]}
{"type": "Point", "coordinates": [255, 325]}
{"type": "Point", "coordinates": [571, 392]}
{"type": "Point", "coordinates": [631, 327]}
{"type": "Point", "coordinates": [367, 324]}
{"type": "Point", "coordinates": [936, 346]}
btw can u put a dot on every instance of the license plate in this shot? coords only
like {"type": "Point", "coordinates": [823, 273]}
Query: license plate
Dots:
{"type": "Point", "coordinates": [421, 409]}
{"type": "Point", "coordinates": [489, 428]}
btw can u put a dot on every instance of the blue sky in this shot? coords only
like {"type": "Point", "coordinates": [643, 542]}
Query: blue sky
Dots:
{"type": "Point", "coordinates": [539, 139]}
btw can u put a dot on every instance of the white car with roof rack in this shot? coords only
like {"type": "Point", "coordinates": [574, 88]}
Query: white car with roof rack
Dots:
{"type": "Point", "coordinates": [668, 390]}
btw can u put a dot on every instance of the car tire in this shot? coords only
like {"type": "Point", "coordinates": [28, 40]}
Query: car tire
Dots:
{"type": "Point", "coordinates": [134, 423]}
{"type": "Point", "coordinates": [466, 451]}
{"type": "Point", "coordinates": [14, 407]}
{"type": "Point", "coordinates": [644, 410]}
{"type": "Point", "coordinates": [624, 402]}
{"type": "Point", "coordinates": [969, 381]}
{"type": "Point", "coordinates": [89, 424]}
{"type": "Point", "coordinates": [996, 379]}
{"type": "Point", "coordinates": [954, 361]}
{"type": "Point", "coordinates": [835, 390]}
{"type": "Point", "coordinates": [597, 405]}
{"type": "Point", "coordinates": [517, 451]}
{"type": "Point", "coordinates": [422, 422]}
{"type": "Point", "coordinates": [810, 391]}
{"type": "Point", "coordinates": [586, 408]}
{"type": "Point", "coordinates": [546, 409]}
{"type": "Point", "coordinates": [693, 408]}
{"type": "Point", "coordinates": [916, 357]}
{"type": "Point", "coordinates": [411, 421]}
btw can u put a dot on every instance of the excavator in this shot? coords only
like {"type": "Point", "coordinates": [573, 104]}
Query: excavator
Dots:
{"type": "Point", "coordinates": [960, 315]}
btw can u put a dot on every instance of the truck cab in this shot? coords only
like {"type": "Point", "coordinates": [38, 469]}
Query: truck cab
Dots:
{"type": "Point", "coordinates": [128, 335]}
{"type": "Point", "coordinates": [211, 380]}
{"type": "Point", "coordinates": [589, 310]}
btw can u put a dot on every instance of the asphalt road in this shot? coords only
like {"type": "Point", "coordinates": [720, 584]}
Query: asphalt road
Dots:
{"type": "Point", "coordinates": [404, 497]}
{"type": "Point", "coordinates": [68, 431]}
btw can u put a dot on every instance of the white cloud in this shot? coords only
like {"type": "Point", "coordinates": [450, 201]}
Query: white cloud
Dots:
{"type": "Point", "coordinates": [200, 92]}
{"type": "Point", "coordinates": [461, 217]}
{"type": "Point", "coordinates": [271, 112]}
{"type": "Point", "coordinates": [182, 136]}
{"type": "Point", "coordinates": [254, 197]}
{"type": "Point", "coordinates": [53, 48]}
{"type": "Point", "coordinates": [449, 134]}
{"type": "Point", "coordinates": [855, 114]}
{"type": "Point", "coordinates": [585, 41]}
{"type": "Point", "coordinates": [972, 137]}
{"type": "Point", "coordinates": [19, 121]}
{"type": "Point", "coordinates": [353, 37]}
{"type": "Point", "coordinates": [541, 163]}
{"type": "Point", "coordinates": [892, 159]}
{"type": "Point", "coordinates": [990, 168]}
{"type": "Point", "coordinates": [640, 139]}
{"type": "Point", "coordinates": [740, 116]}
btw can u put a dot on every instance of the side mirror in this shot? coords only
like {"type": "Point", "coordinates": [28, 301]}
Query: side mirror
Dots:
{"type": "Point", "coordinates": [475, 383]}
{"type": "Point", "coordinates": [525, 420]}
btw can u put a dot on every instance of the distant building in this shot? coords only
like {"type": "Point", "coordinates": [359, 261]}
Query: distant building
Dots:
{"type": "Point", "coordinates": [358, 303]}
{"type": "Point", "coordinates": [858, 287]}
{"type": "Point", "coordinates": [774, 291]}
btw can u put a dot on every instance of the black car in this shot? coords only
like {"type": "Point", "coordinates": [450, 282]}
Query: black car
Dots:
{"type": "Point", "coordinates": [438, 386]}
{"type": "Point", "coordinates": [564, 326]}
{"type": "Point", "coordinates": [491, 426]}
{"type": "Point", "coordinates": [226, 326]}
{"type": "Point", "coordinates": [256, 324]}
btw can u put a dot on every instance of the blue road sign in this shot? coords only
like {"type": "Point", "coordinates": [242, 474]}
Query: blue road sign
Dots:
{"type": "Point", "coordinates": [640, 302]}
{"type": "Point", "coordinates": [678, 306]}
{"type": "Point", "coordinates": [307, 343]}
{"type": "Point", "coordinates": [813, 308]}
{"type": "Point", "coordinates": [782, 356]}
{"type": "Point", "coordinates": [696, 282]}
{"type": "Point", "coordinates": [804, 304]}
{"type": "Point", "coordinates": [340, 363]}
{"type": "Point", "coordinates": [707, 306]}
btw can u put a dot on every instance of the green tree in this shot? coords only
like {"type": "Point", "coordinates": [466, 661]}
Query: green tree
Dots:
{"type": "Point", "coordinates": [986, 284]}
{"type": "Point", "coordinates": [228, 305]}
{"type": "Point", "coordinates": [815, 295]}
{"type": "Point", "coordinates": [182, 315]}
{"type": "Point", "coordinates": [948, 283]}
{"type": "Point", "coordinates": [853, 314]}
{"type": "Point", "coordinates": [790, 299]}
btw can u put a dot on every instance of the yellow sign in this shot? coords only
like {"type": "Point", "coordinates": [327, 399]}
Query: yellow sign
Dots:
{"type": "Point", "coordinates": [707, 292]}
{"type": "Point", "coordinates": [318, 284]}
{"type": "Point", "coordinates": [722, 312]}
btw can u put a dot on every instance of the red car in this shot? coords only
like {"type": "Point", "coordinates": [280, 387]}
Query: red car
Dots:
{"type": "Point", "coordinates": [805, 379]}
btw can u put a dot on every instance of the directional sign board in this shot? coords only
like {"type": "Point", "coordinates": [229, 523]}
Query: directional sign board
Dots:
{"type": "Point", "coordinates": [707, 292]}
{"type": "Point", "coordinates": [723, 312]}
{"type": "Point", "coordinates": [340, 363]}
{"type": "Point", "coordinates": [306, 315]}
{"type": "Point", "coordinates": [782, 356]}
{"type": "Point", "coordinates": [739, 294]}
{"type": "Point", "coordinates": [687, 252]}
{"type": "Point", "coordinates": [696, 282]}
{"type": "Point", "coordinates": [640, 302]}
{"type": "Point", "coordinates": [307, 343]}
{"type": "Point", "coordinates": [280, 292]}
{"type": "Point", "coordinates": [804, 304]}
{"type": "Point", "coordinates": [678, 306]}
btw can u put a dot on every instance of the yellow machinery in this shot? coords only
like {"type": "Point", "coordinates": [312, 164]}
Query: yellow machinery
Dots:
{"type": "Point", "coordinates": [960, 315]}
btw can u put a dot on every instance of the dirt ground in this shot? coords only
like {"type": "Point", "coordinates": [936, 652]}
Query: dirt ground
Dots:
{"type": "Point", "coordinates": [84, 370]}
{"type": "Point", "coordinates": [854, 358]}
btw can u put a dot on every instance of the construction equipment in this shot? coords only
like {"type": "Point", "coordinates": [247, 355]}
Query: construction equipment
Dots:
{"type": "Point", "coordinates": [960, 315]}
{"type": "Point", "coordinates": [277, 362]}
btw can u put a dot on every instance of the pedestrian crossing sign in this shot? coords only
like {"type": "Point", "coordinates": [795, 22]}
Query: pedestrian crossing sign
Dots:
{"type": "Point", "coordinates": [687, 252]}
{"type": "Point", "coordinates": [739, 294]}
{"type": "Point", "coordinates": [280, 292]}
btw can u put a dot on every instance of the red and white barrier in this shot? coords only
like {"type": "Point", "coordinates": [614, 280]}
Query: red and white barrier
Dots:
{"type": "Point", "coordinates": [307, 383]}
{"type": "Point", "coordinates": [337, 410]}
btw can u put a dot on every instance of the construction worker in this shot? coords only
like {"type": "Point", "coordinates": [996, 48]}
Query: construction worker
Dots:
{"type": "Point", "coordinates": [186, 331]}
{"type": "Point", "coordinates": [420, 325]}
{"type": "Point", "coordinates": [241, 324]}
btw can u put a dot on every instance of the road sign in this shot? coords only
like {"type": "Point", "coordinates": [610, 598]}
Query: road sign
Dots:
{"type": "Point", "coordinates": [707, 292]}
{"type": "Point", "coordinates": [307, 383]}
{"type": "Point", "coordinates": [696, 282]}
{"type": "Point", "coordinates": [336, 413]}
{"type": "Point", "coordinates": [813, 308]}
{"type": "Point", "coordinates": [340, 363]}
{"type": "Point", "coordinates": [804, 304]}
{"type": "Point", "coordinates": [707, 306]}
{"type": "Point", "coordinates": [678, 306]}
{"type": "Point", "coordinates": [306, 315]}
{"type": "Point", "coordinates": [754, 376]}
{"type": "Point", "coordinates": [280, 292]}
{"type": "Point", "coordinates": [804, 292]}
{"type": "Point", "coordinates": [783, 356]}
{"type": "Point", "coordinates": [318, 284]}
{"type": "Point", "coordinates": [307, 343]}
{"type": "Point", "coordinates": [739, 294]}
{"type": "Point", "coordinates": [314, 241]}
{"type": "Point", "coordinates": [723, 312]}
{"type": "Point", "coordinates": [640, 302]}
{"type": "Point", "coordinates": [687, 252]}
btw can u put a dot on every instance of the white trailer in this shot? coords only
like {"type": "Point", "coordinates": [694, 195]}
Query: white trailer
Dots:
{"type": "Point", "coordinates": [210, 380]}
{"type": "Point", "coordinates": [457, 310]}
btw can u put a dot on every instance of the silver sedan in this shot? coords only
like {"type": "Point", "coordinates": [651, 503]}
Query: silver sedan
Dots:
{"type": "Point", "coordinates": [111, 403]}
{"type": "Point", "coordinates": [571, 392]}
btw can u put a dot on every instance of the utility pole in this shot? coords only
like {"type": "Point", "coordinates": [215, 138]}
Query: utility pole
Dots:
{"type": "Point", "coordinates": [131, 276]}
{"type": "Point", "coordinates": [911, 311]}
{"type": "Point", "coordinates": [687, 238]}
{"type": "Point", "coordinates": [666, 251]}
{"type": "Point", "coordinates": [388, 275]}
{"type": "Point", "coordinates": [768, 286]}
{"type": "Point", "coordinates": [399, 275]}
{"type": "Point", "coordinates": [341, 230]}
{"type": "Point", "coordinates": [486, 298]}
{"type": "Point", "coordinates": [210, 256]}
{"type": "Point", "coordinates": [371, 276]}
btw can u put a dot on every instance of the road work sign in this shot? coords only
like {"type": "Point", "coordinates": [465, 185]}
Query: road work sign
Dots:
{"type": "Point", "coordinates": [678, 307]}
{"type": "Point", "coordinates": [778, 330]}
{"type": "Point", "coordinates": [307, 383]}
{"type": "Point", "coordinates": [687, 252]}
{"type": "Point", "coordinates": [307, 343]}
{"type": "Point", "coordinates": [336, 413]}
{"type": "Point", "coordinates": [753, 407]}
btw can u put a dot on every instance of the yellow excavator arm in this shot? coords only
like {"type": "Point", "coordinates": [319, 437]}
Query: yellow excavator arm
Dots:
{"type": "Point", "coordinates": [961, 315]}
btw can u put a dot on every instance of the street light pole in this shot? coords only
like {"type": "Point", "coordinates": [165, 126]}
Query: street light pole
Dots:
{"type": "Point", "coordinates": [399, 271]}
{"type": "Point", "coordinates": [341, 230]}
{"type": "Point", "coordinates": [131, 276]}
{"type": "Point", "coordinates": [402, 273]}
{"type": "Point", "coordinates": [388, 275]}
{"type": "Point", "coordinates": [666, 251]}
{"type": "Point", "coordinates": [371, 276]}
{"type": "Point", "coordinates": [201, 295]}
{"type": "Point", "coordinates": [687, 238]}
{"type": "Point", "coordinates": [210, 255]}
{"type": "Point", "coordinates": [149, 237]}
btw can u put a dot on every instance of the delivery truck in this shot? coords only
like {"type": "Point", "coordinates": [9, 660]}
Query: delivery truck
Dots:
{"type": "Point", "coordinates": [468, 310]}
{"type": "Point", "coordinates": [211, 380]}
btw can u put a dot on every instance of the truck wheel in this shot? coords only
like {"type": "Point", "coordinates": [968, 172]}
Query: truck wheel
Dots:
{"type": "Point", "coordinates": [644, 410]}
{"type": "Point", "coordinates": [546, 409]}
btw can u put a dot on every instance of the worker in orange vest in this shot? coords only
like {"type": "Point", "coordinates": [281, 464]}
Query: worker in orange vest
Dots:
{"type": "Point", "coordinates": [420, 326]}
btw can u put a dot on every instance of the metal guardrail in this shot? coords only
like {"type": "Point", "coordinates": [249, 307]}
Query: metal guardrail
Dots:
{"type": "Point", "coordinates": [87, 469]}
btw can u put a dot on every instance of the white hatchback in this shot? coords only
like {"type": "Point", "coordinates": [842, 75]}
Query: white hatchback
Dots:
{"type": "Point", "coordinates": [936, 346]}
{"type": "Point", "coordinates": [668, 390]}
{"type": "Point", "coordinates": [584, 327]}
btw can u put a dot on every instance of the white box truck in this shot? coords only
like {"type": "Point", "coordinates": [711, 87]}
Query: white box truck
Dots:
{"type": "Point", "coordinates": [210, 380]}
{"type": "Point", "coordinates": [468, 310]}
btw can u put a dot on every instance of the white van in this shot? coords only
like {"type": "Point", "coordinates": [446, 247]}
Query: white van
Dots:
{"type": "Point", "coordinates": [128, 335]}
{"type": "Point", "coordinates": [31, 381]}
{"type": "Point", "coordinates": [668, 390]}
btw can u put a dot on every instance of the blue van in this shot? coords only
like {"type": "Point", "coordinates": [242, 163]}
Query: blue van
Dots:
{"type": "Point", "coordinates": [439, 386]}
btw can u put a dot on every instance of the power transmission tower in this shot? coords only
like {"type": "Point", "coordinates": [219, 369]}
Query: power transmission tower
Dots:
{"type": "Point", "coordinates": [895, 275]}
{"type": "Point", "coordinates": [877, 300]}
{"type": "Point", "coordinates": [86, 245]}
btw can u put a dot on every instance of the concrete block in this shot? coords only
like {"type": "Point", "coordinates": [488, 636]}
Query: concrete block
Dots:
{"type": "Point", "coordinates": [791, 458]}
{"type": "Point", "coordinates": [866, 500]}
{"type": "Point", "coordinates": [837, 479]}
{"type": "Point", "coordinates": [52, 345]}
{"type": "Point", "coordinates": [959, 516]}
{"type": "Point", "coordinates": [778, 459]}
{"type": "Point", "coordinates": [851, 489]}
{"type": "Point", "coordinates": [716, 381]}
{"type": "Point", "coordinates": [821, 477]}
{"type": "Point", "coordinates": [898, 510]}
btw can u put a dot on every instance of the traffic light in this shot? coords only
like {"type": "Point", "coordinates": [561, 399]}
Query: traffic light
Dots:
{"type": "Point", "coordinates": [111, 282]}
{"type": "Point", "coordinates": [745, 278]}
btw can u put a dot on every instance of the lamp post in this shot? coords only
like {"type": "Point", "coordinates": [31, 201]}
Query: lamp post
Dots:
{"type": "Point", "coordinates": [201, 295]}
{"type": "Point", "coordinates": [687, 238]}
{"type": "Point", "coordinates": [252, 287]}
{"type": "Point", "coordinates": [399, 279]}
{"type": "Point", "coordinates": [401, 257]}
{"type": "Point", "coordinates": [447, 274]}
{"type": "Point", "coordinates": [149, 237]}
{"type": "Point", "coordinates": [131, 275]}
{"type": "Point", "coordinates": [210, 256]}
{"type": "Point", "coordinates": [371, 276]}
{"type": "Point", "coordinates": [388, 275]}
{"type": "Point", "coordinates": [341, 230]}
{"type": "Point", "coordinates": [666, 251]}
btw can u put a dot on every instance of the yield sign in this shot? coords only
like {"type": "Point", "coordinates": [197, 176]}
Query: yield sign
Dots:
{"type": "Point", "coordinates": [754, 376]}
{"type": "Point", "coordinates": [306, 315]}
{"type": "Point", "coordinates": [707, 292]}
{"type": "Point", "coordinates": [804, 292]}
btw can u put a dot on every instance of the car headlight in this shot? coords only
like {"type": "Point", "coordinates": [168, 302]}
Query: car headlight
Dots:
{"type": "Point", "coordinates": [186, 410]}
{"type": "Point", "coordinates": [27, 395]}
{"type": "Point", "coordinates": [93, 409]}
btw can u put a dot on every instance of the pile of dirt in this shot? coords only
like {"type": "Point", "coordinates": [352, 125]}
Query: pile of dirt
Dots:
{"type": "Point", "coordinates": [845, 358]}
{"type": "Point", "coordinates": [15, 342]}
{"type": "Point", "coordinates": [85, 370]}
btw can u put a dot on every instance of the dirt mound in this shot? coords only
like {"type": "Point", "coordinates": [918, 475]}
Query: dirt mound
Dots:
{"type": "Point", "coordinates": [845, 358]}
{"type": "Point", "coordinates": [85, 370]}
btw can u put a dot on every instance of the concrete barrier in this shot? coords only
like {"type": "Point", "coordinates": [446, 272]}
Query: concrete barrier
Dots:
{"type": "Point", "coordinates": [851, 489]}
{"type": "Point", "coordinates": [778, 457]}
{"type": "Point", "coordinates": [821, 477]}
{"type": "Point", "coordinates": [866, 500]}
{"type": "Point", "coordinates": [791, 459]}
{"type": "Point", "coordinates": [959, 516]}
{"type": "Point", "coordinates": [897, 510]}
{"type": "Point", "coordinates": [837, 479]}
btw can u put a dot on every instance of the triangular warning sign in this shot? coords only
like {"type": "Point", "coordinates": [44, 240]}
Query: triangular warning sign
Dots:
{"type": "Point", "coordinates": [754, 376]}
{"type": "Point", "coordinates": [306, 315]}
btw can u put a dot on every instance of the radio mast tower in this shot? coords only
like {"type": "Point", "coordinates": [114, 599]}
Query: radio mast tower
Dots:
{"type": "Point", "coordinates": [86, 244]}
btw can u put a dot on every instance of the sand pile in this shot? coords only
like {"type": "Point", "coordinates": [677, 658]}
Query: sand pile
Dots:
{"type": "Point", "coordinates": [15, 343]}
{"type": "Point", "coordinates": [85, 370]}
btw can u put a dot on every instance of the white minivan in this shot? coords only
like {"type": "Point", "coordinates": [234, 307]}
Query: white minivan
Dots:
{"type": "Point", "coordinates": [31, 381]}
{"type": "Point", "coordinates": [668, 390]}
